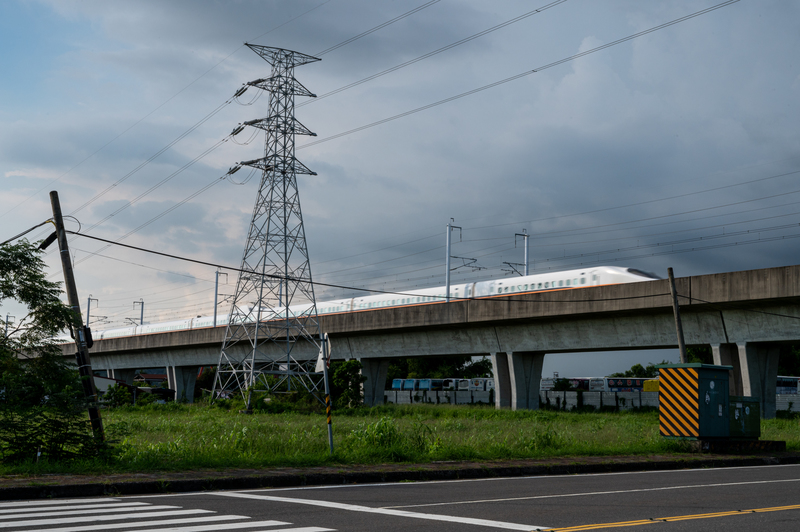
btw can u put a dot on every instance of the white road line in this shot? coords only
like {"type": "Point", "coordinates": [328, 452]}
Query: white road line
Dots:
{"type": "Point", "coordinates": [614, 492]}
{"type": "Point", "coordinates": [139, 524]}
{"type": "Point", "coordinates": [52, 502]}
{"type": "Point", "coordinates": [143, 508]}
{"type": "Point", "coordinates": [499, 479]}
{"type": "Point", "coordinates": [301, 529]}
{"type": "Point", "coordinates": [73, 507]}
{"type": "Point", "coordinates": [90, 518]}
{"type": "Point", "coordinates": [384, 511]}
{"type": "Point", "coordinates": [249, 524]}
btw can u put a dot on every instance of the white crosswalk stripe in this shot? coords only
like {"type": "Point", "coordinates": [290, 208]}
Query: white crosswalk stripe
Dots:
{"type": "Point", "coordinates": [62, 513]}
{"type": "Point", "coordinates": [90, 518]}
{"type": "Point", "coordinates": [162, 522]}
{"type": "Point", "coordinates": [116, 514]}
{"type": "Point", "coordinates": [70, 507]}
{"type": "Point", "coordinates": [54, 502]}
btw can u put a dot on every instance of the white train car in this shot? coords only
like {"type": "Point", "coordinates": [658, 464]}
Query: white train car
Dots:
{"type": "Point", "coordinates": [566, 280]}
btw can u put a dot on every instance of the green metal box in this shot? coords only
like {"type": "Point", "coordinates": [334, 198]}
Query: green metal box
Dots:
{"type": "Point", "coordinates": [693, 401]}
{"type": "Point", "coordinates": [745, 415]}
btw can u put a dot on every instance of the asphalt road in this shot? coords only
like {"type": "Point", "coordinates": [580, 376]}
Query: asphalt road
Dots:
{"type": "Point", "coordinates": [731, 499]}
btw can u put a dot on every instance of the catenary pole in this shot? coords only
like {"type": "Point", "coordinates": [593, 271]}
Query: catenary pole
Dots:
{"type": "Point", "coordinates": [450, 228]}
{"type": "Point", "coordinates": [216, 293]}
{"type": "Point", "coordinates": [89, 307]}
{"type": "Point", "coordinates": [524, 234]}
{"type": "Point", "coordinates": [141, 316]}
{"type": "Point", "coordinates": [82, 355]}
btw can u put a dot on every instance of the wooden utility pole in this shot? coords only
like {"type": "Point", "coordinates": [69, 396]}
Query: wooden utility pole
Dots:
{"type": "Point", "coordinates": [82, 355]}
{"type": "Point", "coordinates": [677, 311]}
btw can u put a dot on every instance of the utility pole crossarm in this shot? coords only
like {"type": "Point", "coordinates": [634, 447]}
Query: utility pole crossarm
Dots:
{"type": "Point", "coordinates": [288, 59]}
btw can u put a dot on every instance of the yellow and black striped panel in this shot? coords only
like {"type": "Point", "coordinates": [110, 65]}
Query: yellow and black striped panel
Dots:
{"type": "Point", "coordinates": [678, 407]}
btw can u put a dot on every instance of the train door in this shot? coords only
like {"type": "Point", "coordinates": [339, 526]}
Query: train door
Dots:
{"type": "Point", "coordinates": [594, 277]}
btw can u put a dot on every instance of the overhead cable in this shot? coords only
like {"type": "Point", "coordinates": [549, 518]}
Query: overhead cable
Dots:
{"type": "Point", "coordinates": [329, 285]}
{"type": "Point", "coordinates": [101, 148]}
{"type": "Point", "coordinates": [376, 28]}
{"type": "Point", "coordinates": [430, 54]}
{"type": "Point", "coordinates": [518, 76]}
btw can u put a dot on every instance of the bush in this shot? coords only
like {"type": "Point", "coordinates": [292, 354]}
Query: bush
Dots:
{"type": "Point", "coordinates": [43, 411]}
{"type": "Point", "coordinates": [346, 382]}
{"type": "Point", "coordinates": [117, 396]}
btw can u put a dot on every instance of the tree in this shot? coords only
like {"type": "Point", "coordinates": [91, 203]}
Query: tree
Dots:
{"type": "Point", "coordinates": [460, 367]}
{"type": "Point", "coordinates": [42, 407]}
{"type": "Point", "coordinates": [701, 354]}
{"type": "Point", "coordinates": [789, 361]}
{"type": "Point", "coordinates": [638, 371]}
{"type": "Point", "coordinates": [346, 382]}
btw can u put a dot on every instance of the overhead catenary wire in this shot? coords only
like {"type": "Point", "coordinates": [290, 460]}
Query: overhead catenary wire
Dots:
{"type": "Point", "coordinates": [279, 277]}
{"type": "Point", "coordinates": [688, 230]}
{"type": "Point", "coordinates": [372, 290]}
{"type": "Point", "coordinates": [639, 203]}
{"type": "Point", "coordinates": [691, 211]}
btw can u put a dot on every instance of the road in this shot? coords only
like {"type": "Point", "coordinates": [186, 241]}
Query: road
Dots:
{"type": "Point", "coordinates": [730, 499]}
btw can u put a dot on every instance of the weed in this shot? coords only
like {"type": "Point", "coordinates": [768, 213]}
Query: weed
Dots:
{"type": "Point", "coordinates": [180, 437]}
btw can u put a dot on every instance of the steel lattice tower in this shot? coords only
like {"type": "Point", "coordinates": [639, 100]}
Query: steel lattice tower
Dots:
{"type": "Point", "coordinates": [273, 316]}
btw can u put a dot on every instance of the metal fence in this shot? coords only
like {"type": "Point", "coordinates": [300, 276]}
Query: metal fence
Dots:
{"type": "Point", "coordinates": [558, 400]}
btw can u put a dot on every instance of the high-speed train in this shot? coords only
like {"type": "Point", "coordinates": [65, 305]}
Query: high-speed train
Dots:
{"type": "Point", "coordinates": [566, 280]}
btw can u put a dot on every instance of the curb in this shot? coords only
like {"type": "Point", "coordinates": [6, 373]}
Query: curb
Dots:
{"type": "Point", "coordinates": [370, 477]}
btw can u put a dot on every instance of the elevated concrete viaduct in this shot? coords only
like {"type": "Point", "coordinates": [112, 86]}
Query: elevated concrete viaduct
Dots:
{"type": "Point", "coordinates": [746, 317]}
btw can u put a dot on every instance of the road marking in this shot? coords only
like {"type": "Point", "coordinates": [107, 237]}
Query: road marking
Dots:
{"type": "Point", "coordinates": [603, 525]}
{"type": "Point", "coordinates": [105, 510]}
{"type": "Point", "coordinates": [672, 519]}
{"type": "Point", "coordinates": [73, 507]}
{"type": "Point", "coordinates": [383, 511]}
{"type": "Point", "coordinates": [500, 479]}
{"type": "Point", "coordinates": [706, 470]}
{"type": "Point", "coordinates": [163, 522]}
{"type": "Point", "coordinates": [90, 518]}
{"type": "Point", "coordinates": [53, 502]}
{"type": "Point", "coordinates": [614, 492]}
{"type": "Point", "coordinates": [229, 526]}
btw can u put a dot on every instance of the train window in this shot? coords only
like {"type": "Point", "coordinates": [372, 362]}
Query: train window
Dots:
{"type": "Point", "coordinates": [506, 290]}
{"type": "Point", "coordinates": [500, 290]}
{"type": "Point", "coordinates": [540, 286]}
{"type": "Point", "coordinates": [547, 285]}
{"type": "Point", "coordinates": [526, 287]}
{"type": "Point", "coordinates": [575, 282]}
{"type": "Point", "coordinates": [567, 282]}
{"type": "Point", "coordinates": [594, 277]}
{"type": "Point", "coordinates": [561, 283]}
{"type": "Point", "coordinates": [583, 280]}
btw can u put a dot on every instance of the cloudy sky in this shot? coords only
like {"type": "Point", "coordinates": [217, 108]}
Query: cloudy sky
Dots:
{"type": "Point", "coordinates": [677, 148]}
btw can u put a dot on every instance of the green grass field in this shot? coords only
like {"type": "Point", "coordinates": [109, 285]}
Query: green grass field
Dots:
{"type": "Point", "coordinates": [181, 437]}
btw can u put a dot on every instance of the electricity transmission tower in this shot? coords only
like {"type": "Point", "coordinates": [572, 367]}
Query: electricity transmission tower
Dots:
{"type": "Point", "coordinates": [272, 338]}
